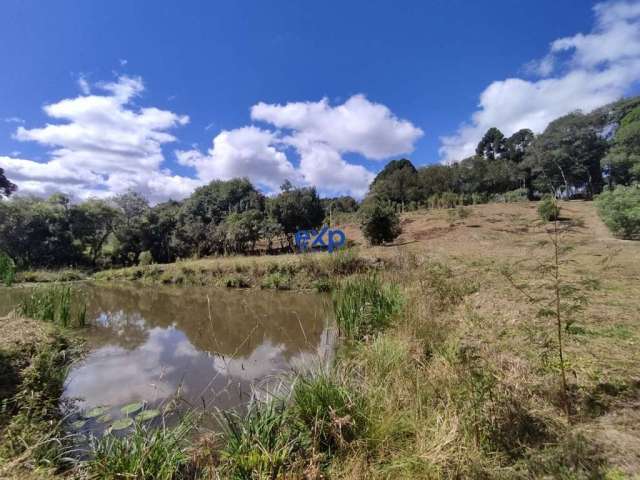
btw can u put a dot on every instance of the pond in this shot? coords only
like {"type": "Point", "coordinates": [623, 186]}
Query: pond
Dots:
{"type": "Point", "coordinates": [209, 347]}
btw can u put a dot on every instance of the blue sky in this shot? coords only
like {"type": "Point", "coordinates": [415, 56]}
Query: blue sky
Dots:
{"type": "Point", "coordinates": [416, 79]}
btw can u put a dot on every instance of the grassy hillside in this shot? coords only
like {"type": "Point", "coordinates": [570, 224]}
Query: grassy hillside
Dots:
{"type": "Point", "coordinates": [465, 381]}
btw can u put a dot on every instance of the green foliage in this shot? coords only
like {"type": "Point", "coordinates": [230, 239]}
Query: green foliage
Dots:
{"type": "Point", "coordinates": [262, 444]}
{"type": "Point", "coordinates": [7, 269]}
{"type": "Point", "coordinates": [33, 431]}
{"type": "Point", "coordinates": [379, 222]}
{"type": "Point", "coordinates": [153, 453]}
{"type": "Point", "coordinates": [363, 305]}
{"type": "Point", "coordinates": [333, 413]}
{"type": "Point", "coordinates": [620, 210]}
{"type": "Point", "coordinates": [277, 281]}
{"type": "Point", "coordinates": [6, 187]}
{"type": "Point", "coordinates": [146, 258]}
{"type": "Point", "coordinates": [548, 209]}
{"type": "Point", "coordinates": [296, 209]}
{"type": "Point", "coordinates": [53, 303]}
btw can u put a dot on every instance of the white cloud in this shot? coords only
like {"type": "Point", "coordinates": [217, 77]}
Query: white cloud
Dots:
{"type": "Point", "coordinates": [247, 151]}
{"type": "Point", "coordinates": [357, 125]}
{"type": "Point", "coordinates": [84, 86]}
{"type": "Point", "coordinates": [602, 66]}
{"type": "Point", "coordinates": [103, 145]}
{"type": "Point", "coordinates": [319, 133]}
{"type": "Point", "coordinates": [13, 120]}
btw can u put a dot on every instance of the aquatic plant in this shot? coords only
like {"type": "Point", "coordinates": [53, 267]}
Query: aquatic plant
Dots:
{"type": "Point", "coordinates": [145, 453]}
{"type": "Point", "coordinates": [263, 443]}
{"type": "Point", "coordinates": [53, 303]}
{"type": "Point", "coordinates": [363, 305]}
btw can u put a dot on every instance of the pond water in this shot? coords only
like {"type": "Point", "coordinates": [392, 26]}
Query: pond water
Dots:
{"type": "Point", "coordinates": [210, 347]}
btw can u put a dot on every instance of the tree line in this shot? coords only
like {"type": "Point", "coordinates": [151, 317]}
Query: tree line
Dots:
{"type": "Point", "coordinates": [576, 155]}
{"type": "Point", "coordinates": [222, 217]}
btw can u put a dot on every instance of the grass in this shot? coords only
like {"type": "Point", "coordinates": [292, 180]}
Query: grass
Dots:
{"type": "Point", "coordinates": [363, 305]}
{"type": "Point", "coordinates": [34, 359]}
{"type": "Point", "coordinates": [54, 303]}
{"type": "Point", "coordinates": [145, 453]}
{"type": "Point", "coordinates": [50, 276]}
{"type": "Point", "coordinates": [296, 271]}
{"type": "Point", "coordinates": [448, 371]}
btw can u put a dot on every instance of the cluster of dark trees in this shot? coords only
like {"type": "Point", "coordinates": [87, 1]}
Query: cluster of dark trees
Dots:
{"type": "Point", "coordinates": [577, 155]}
{"type": "Point", "coordinates": [219, 218]}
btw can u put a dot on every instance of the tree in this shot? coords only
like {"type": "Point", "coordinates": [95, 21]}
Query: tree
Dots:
{"type": "Point", "coordinates": [207, 207]}
{"type": "Point", "coordinates": [296, 209]}
{"type": "Point", "coordinates": [130, 226]}
{"type": "Point", "coordinates": [6, 187]}
{"type": "Point", "coordinates": [622, 163]}
{"type": "Point", "coordinates": [567, 155]}
{"type": "Point", "coordinates": [492, 145]}
{"type": "Point", "coordinates": [91, 224]}
{"type": "Point", "coordinates": [397, 182]}
{"type": "Point", "coordinates": [435, 179]}
{"type": "Point", "coordinates": [379, 221]}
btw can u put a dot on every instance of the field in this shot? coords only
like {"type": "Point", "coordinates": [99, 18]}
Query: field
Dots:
{"type": "Point", "coordinates": [465, 382]}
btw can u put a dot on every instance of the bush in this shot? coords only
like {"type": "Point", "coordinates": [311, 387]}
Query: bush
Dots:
{"type": "Point", "coordinates": [277, 281]}
{"type": "Point", "coordinates": [363, 306]}
{"type": "Point", "coordinates": [379, 223]}
{"type": "Point", "coordinates": [7, 269]}
{"type": "Point", "coordinates": [548, 209]}
{"type": "Point", "coordinates": [620, 210]}
{"type": "Point", "coordinates": [512, 196]}
{"type": "Point", "coordinates": [146, 258]}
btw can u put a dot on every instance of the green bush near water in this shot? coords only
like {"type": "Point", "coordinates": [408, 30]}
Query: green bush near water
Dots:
{"type": "Point", "coordinates": [620, 210]}
{"type": "Point", "coordinates": [364, 305]}
{"type": "Point", "coordinates": [146, 453]}
{"type": "Point", "coordinates": [53, 303]}
{"type": "Point", "coordinates": [263, 443]}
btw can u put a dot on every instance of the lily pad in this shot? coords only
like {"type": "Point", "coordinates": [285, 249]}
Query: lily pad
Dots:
{"type": "Point", "coordinates": [78, 424]}
{"type": "Point", "coordinates": [122, 423]}
{"type": "Point", "coordinates": [147, 415]}
{"type": "Point", "coordinates": [104, 418]}
{"type": "Point", "coordinates": [96, 412]}
{"type": "Point", "coordinates": [131, 408]}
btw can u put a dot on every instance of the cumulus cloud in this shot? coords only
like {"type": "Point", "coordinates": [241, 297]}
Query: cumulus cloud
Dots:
{"type": "Point", "coordinates": [593, 69]}
{"type": "Point", "coordinates": [319, 133]}
{"type": "Point", "coordinates": [102, 145]}
{"type": "Point", "coordinates": [247, 151]}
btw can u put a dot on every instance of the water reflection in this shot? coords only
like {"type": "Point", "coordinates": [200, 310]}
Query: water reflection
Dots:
{"type": "Point", "coordinates": [213, 346]}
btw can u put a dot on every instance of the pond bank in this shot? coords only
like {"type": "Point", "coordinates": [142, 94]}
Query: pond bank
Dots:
{"type": "Point", "coordinates": [34, 358]}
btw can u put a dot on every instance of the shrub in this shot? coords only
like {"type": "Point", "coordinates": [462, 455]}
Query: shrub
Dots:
{"type": "Point", "coordinates": [146, 258]}
{"type": "Point", "coordinates": [277, 281]}
{"type": "Point", "coordinates": [620, 210]}
{"type": "Point", "coordinates": [512, 196]}
{"type": "Point", "coordinates": [235, 281]}
{"type": "Point", "coordinates": [363, 306]}
{"type": "Point", "coordinates": [548, 209]}
{"type": "Point", "coordinates": [7, 269]}
{"type": "Point", "coordinates": [379, 223]}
